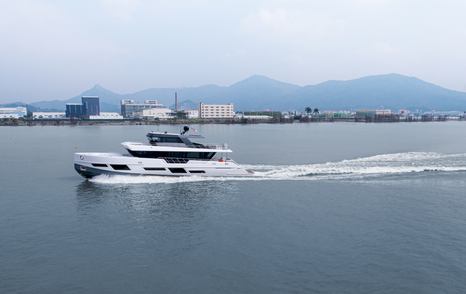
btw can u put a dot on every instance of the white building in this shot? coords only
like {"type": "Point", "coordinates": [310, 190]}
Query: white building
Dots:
{"type": "Point", "coordinates": [133, 109]}
{"type": "Point", "coordinates": [48, 115]}
{"type": "Point", "coordinates": [383, 112]}
{"type": "Point", "coordinates": [13, 112]}
{"type": "Point", "coordinates": [192, 113]}
{"type": "Point", "coordinates": [216, 110]}
{"type": "Point", "coordinates": [157, 113]}
{"type": "Point", "coordinates": [253, 117]}
{"type": "Point", "coordinates": [106, 116]}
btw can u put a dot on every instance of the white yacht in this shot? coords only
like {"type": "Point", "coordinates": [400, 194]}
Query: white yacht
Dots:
{"type": "Point", "coordinates": [166, 154]}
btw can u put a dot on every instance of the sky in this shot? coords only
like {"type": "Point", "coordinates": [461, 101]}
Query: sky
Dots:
{"type": "Point", "coordinates": [55, 49]}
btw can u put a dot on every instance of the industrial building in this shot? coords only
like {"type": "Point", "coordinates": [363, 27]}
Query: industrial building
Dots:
{"type": "Point", "coordinates": [133, 109]}
{"type": "Point", "coordinates": [216, 110]}
{"type": "Point", "coordinates": [74, 110]}
{"type": "Point", "coordinates": [106, 116]}
{"type": "Point", "coordinates": [12, 112]}
{"type": "Point", "coordinates": [157, 113]}
{"type": "Point", "coordinates": [48, 115]}
{"type": "Point", "coordinates": [90, 106]}
{"type": "Point", "coordinates": [253, 116]}
{"type": "Point", "coordinates": [379, 115]}
{"type": "Point", "coordinates": [191, 113]}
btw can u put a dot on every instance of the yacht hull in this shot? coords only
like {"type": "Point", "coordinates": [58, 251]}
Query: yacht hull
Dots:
{"type": "Point", "coordinates": [90, 165]}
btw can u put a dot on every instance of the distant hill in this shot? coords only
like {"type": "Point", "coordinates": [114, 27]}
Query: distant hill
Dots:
{"type": "Point", "coordinates": [392, 91]}
{"type": "Point", "coordinates": [29, 108]}
{"type": "Point", "coordinates": [109, 101]}
{"type": "Point", "coordinates": [257, 92]}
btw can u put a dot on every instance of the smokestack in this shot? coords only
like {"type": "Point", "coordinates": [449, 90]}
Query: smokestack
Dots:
{"type": "Point", "coordinates": [176, 102]}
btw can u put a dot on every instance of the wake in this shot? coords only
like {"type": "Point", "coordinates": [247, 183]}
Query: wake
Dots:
{"type": "Point", "coordinates": [366, 167]}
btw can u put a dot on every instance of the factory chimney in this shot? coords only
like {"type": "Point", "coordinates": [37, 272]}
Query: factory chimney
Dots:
{"type": "Point", "coordinates": [176, 102]}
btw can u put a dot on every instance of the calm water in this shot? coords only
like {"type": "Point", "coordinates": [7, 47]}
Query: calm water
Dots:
{"type": "Point", "coordinates": [337, 208]}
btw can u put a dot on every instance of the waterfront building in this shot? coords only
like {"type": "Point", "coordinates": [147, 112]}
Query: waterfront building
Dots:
{"type": "Point", "coordinates": [216, 110]}
{"type": "Point", "coordinates": [365, 115]}
{"type": "Point", "coordinates": [286, 115]}
{"type": "Point", "coordinates": [106, 116]}
{"type": "Point", "coordinates": [379, 115]}
{"type": "Point", "coordinates": [453, 117]}
{"type": "Point", "coordinates": [337, 115]}
{"type": "Point", "coordinates": [133, 109]}
{"type": "Point", "coordinates": [48, 115]}
{"type": "Point", "coordinates": [13, 112]}
{"type": "Point", "coordinates": [192, 113]}
{"type": "Point", "coordinates": [383, 112]}
{"type": "Point", "coordinates": [157, 113]}
{"type": "Point", "coordinates": [74, 110]}
{"type": "Point", "coordinates": [253, 116]}
{"type": "Point", "coordinates": [91, 105]}
{"type": "Point", "coordinates": [404, 114]}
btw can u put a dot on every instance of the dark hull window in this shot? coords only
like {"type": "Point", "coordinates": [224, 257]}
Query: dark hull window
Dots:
{"type": "Point", "coordinates": [197, 171]}
{"type": "Point", "coordinates": [176, 160]}
{"type": "Point", "coordinates": [99, 165]}
{"type": "Point", "coordinates": [177, 170]}
{"type": "Point", "coordinates": [119, 166]}
{"type": "Point", "coordinates": [159, 154]}
{"type": "Point", "coordinates": [154, 168]}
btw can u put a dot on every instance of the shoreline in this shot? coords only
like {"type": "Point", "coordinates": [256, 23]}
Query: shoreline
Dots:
{"type": "Point", "coordinates": [66, 122]}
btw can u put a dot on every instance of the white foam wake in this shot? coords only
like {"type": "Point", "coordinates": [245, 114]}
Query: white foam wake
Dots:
{"type": "Point", "coordinates": [379, 165]}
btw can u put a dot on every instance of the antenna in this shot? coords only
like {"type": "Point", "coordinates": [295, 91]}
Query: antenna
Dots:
{"type": "Point", "coordinates": [176, 102]}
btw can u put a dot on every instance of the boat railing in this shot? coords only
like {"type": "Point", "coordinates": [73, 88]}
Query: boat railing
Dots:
{"type": "Point", "coordinates": [217, 146]}
{"type": "Point", "coordinates": [213, 146]}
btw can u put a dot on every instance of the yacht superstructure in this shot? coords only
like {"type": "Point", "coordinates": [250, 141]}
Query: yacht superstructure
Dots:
{"type": "Point", "coordinates": [166, 154]}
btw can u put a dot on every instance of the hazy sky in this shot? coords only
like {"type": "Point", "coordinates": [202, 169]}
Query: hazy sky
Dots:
{"type": "Point", "coordinates": [54, 49]}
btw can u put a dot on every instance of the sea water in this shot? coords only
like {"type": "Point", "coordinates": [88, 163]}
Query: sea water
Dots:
{"type": "Point", "coordinates": [333, 208]}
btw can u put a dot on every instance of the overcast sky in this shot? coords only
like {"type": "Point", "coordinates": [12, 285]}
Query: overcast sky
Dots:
{"type": "Point", "coordinates": [55, 49]}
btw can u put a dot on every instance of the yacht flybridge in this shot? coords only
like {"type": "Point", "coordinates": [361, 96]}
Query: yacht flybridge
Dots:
{"type": "Point", "coordinates": [166, 154]}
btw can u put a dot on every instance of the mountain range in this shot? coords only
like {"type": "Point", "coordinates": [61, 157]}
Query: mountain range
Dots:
{"type": "Point", "coordinates": [393, 91]}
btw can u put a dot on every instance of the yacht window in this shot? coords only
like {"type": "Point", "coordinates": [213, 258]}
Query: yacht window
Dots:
{"type": "Point", "coordinates": [119, 166]}
{"type": "Point", "coordinates": [177, 170]}
{"type": "Point", "coordinates": [166, 154]}
{"type": "Point", "coordinates": [154, 168]}
{"type": "Point", "coordinates": [169, 140]}
{"type": "Point", "coordinates": [176, 160]}
{"type": "Point", "coordinates": [99, 165]}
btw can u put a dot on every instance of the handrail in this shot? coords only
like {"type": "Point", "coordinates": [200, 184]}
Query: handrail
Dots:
{"type": "Point", "coordinates": [212, 146]}
{"type": "Point", "coordinates": [217, 146]}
